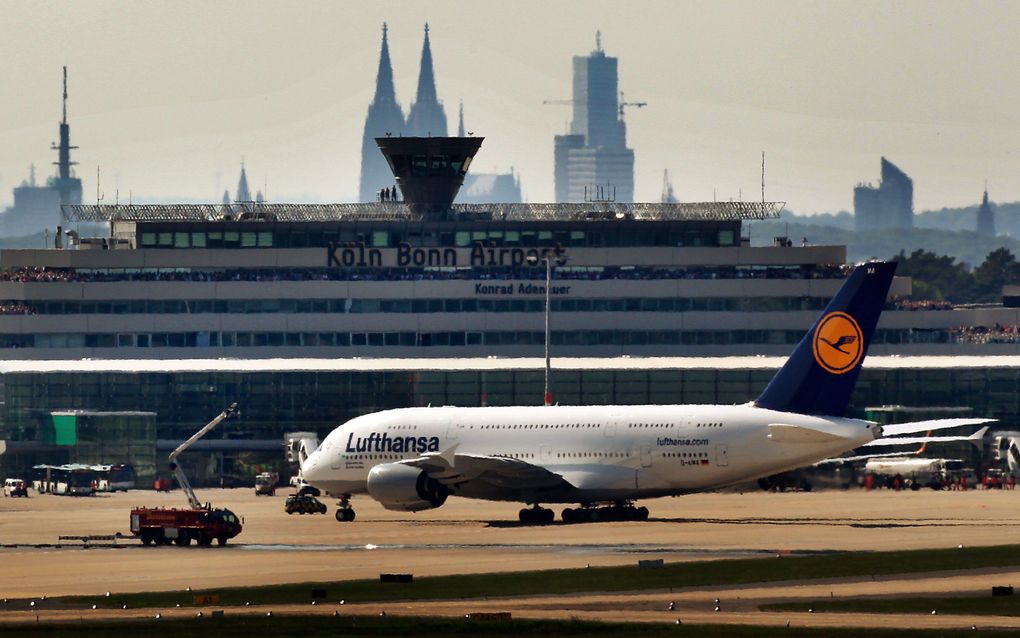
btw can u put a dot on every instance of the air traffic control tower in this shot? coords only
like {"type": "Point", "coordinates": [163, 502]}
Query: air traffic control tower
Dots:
{"type": "Point", "coordinates": [429, 170]}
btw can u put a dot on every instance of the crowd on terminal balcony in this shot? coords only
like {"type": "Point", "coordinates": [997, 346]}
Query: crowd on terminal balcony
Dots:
{"type": "Point", "coordinates": [905, 303]}
{"type": "Point", "coordinates": [36, 274]}
{"type": "Point", "coordinates": [15, 308]}
{"type": "Point", "coordinates": [998, 333]}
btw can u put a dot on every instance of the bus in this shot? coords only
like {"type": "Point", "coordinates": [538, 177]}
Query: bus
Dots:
{"type": "Point", "coordinates": [115, 478]}
{"type": "Point", "coordinates": [73, 480]}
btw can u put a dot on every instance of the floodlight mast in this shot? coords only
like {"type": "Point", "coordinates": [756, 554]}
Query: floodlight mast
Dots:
{"type": "Point", "coordinates": [176, 468]}
{"type": "Point", "coordinates": [533, 260]}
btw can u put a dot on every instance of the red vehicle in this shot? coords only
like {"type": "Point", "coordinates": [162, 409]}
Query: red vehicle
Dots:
{"type": "Point", "coordinates": [200, 523]}
{"type": "Point", "coordinates": [164, 526]}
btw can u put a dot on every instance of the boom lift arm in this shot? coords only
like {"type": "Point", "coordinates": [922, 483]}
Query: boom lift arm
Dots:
{"type": "Point", "coordinates": [178, 472]}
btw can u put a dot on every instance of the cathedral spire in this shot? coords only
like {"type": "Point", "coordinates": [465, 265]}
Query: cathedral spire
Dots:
{"type": "Point", "coordinates": [243, 194]}
{"type": "Point", "coordinates": [427, 117]}
{"type": "Point", "coordinates": [426, 74]}
{"type": "Point", "coordinates": [384, 90]}
{"type": "Point", "coordinates": [986, 217]}
{"type": "Point", "coordinates": [384, 118]}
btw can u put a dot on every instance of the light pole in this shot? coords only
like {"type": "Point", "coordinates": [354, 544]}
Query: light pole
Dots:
{"type": "Point", "coordinates": [533, 260]}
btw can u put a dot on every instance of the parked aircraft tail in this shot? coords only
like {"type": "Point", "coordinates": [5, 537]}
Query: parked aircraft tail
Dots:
{"type": "Point", "coordinates": [820, 375]}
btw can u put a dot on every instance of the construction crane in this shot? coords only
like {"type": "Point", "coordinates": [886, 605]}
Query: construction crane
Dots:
{"type": "Point", "coordinates": [176, 468]}
{"type": "Point", "coordinates": [624, 103]}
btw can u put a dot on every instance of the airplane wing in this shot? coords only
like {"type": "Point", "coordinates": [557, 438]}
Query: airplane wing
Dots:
{"type": "Point", "coordinates": [477, 474]}
{"type": "Point", "coordinates": [916, 440]}
{"type": "Point", "coordinates": [500, 478]}
{"type": "Point", "coordinates": [916, 427]}
{"type": "Point", "coordinates": [865, 457]}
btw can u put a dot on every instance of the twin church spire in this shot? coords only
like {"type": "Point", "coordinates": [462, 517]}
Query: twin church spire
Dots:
{"type": "Point", "coordinates": [426, 117]}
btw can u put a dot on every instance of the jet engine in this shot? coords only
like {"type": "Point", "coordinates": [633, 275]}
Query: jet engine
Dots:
{"type": "Point", "coordinates": [405, 488]}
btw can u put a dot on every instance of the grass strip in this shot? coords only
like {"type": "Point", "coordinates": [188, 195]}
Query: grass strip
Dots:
{"type": "Point", "coordinates": [594, 579]}
{"type": "Point", "coordinates": [960, 605]}
{"type": "Point", "coordinates": [285, 626]}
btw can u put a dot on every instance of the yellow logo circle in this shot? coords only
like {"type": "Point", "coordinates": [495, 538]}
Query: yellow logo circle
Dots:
{"type": "Point", "coordinates": [838, 344]}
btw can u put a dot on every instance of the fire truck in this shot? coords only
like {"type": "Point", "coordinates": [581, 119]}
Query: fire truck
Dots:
{"type": "Point", "coordinates": [200, 523]}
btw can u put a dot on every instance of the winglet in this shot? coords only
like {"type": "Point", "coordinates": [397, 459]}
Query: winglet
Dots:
{"type": "Point", "coordinates": [977, 437]}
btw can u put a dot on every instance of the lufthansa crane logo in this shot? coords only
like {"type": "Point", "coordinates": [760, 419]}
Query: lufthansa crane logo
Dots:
{"type": "Point", "coordinates": [838, 344]}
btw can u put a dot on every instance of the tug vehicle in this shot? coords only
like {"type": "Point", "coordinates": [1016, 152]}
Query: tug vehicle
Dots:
{"type": "Point", "coordinates": [200, 523]}
{"type": "Point", "coordinates": [304, 504]}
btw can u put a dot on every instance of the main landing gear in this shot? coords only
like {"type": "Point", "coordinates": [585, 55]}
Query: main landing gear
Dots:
{"type": "Point", "coordinates": [536, 515]}
{"type": "Point", "coordinates": [617, 512]}
{"type": "Point", "coordinates": [345, 513]}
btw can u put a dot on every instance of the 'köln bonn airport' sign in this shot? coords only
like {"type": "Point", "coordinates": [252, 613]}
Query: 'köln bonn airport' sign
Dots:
{"type": "Point", "coordinates": [358, 255]}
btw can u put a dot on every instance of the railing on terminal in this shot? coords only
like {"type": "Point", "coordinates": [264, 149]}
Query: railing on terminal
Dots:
{"type": "Point", "coordinates": [382, 211]}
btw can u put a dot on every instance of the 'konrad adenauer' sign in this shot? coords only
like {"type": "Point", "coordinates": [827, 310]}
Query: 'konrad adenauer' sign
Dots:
{"type": "Point", "coordinates": [481, 255]}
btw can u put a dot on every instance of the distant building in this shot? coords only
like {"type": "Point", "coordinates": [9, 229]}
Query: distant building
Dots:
{"type": "Point", "coordinates": [595, 152]}
{"type": "Point", "coordinates": [986, 218]}
{"type": "Point", "coordinates": [243, 192]}
{"type": "Point", "coordinates": [427, 117]}
{"type": "Point", "coordinates": [491, 188]}
{"type": "Point", "coordinates": [37, 207]}
{"type": "Point", "coordinates": [385, 117]}
{"type": "Point", "coordinates": [889, 205]}
{"type": "Point", "coordinates": [668, 194]}
{"type": "Point", "coordinates": [488, 188]}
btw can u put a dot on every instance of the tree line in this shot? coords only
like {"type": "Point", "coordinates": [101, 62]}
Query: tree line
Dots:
{"type": "Point", "coordinates": [943, 278]}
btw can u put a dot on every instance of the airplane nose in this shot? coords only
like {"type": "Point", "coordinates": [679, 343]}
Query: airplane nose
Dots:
{"type": "Point", "coordinates": [310, 468]}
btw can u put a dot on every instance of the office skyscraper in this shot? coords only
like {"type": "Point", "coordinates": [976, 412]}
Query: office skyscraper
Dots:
{"type": "Point", "coordinates": [594, 154]}
{"type": "Point", "coordinates": [889, 205]}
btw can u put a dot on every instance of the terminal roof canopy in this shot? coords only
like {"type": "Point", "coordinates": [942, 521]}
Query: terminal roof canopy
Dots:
{"type": "Point", "coordinates": [263, 211]}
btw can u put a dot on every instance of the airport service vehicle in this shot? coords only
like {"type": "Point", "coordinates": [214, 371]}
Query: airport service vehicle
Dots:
{"type": "Point", "coordinates": [304, 504]}
{"type": "Point", "coordinates": [266, 483]}
{"type": "Point", "coordinates": [201, 523]}
{"type": "Point", "coordinates": [921, 471]}
{"type": "Point", "coordinates": [119, 477]}
{"type": "Point", "coordinates": [70, 480]}
{"type": "Point", "coordinates": [606, 457]}
{"type": "Point", "coordinates": [15, 487]}
{"type": "Point", "coordinates": [1007, 451]}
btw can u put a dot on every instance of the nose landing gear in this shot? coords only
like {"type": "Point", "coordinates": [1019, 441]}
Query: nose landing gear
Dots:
{"type": "Point", "coordinates": [345, 513]}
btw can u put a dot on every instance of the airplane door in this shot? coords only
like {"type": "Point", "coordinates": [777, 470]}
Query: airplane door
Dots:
{"type": "Point", "coordinates": [721, 457]}
{"type": "Point", "coordinates": [646, 456]}
{"type": "Point", "coordinates": [545, 454]}
{"type": "Point", "coordinates": [610, 430]}
{"type": "Point", "coordinates": [334, 456]}
{"type": "Point", "coordinates": [453, 431]}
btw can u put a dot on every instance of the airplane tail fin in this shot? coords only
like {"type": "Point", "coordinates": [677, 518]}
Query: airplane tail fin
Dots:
{"type": "Point", "coordinates": [820, 375]}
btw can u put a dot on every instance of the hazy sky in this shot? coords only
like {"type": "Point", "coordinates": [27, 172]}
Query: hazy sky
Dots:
{"type": "Point", "coordinates": [169, 96]}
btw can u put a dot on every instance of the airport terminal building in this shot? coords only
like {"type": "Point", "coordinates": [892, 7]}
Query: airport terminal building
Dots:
{"type": "Point", "coordinates": [310, 314]}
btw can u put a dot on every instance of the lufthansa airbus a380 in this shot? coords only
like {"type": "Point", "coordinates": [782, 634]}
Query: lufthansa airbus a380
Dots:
{"type": "Point", "coordinates": [603, 458]}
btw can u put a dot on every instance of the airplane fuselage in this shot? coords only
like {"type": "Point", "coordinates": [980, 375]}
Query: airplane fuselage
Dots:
{"type": "Point", "coordinates": [606, 453]}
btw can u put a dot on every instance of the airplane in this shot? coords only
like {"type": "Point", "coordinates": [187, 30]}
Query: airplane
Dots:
{"type": "Point", "coordinates": [606, 457]}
